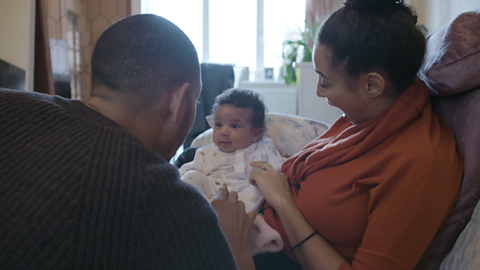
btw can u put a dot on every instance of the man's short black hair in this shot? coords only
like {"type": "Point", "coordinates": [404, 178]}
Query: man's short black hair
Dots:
{"type": "Point", "coordinates": [243, 98]}
{"type": "Point", "coordinates": [141, 55]}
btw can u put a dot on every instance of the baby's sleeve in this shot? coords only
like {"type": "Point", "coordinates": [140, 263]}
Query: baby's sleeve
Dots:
{"type": "Point", "coordinates": [196, 164]}
{"type": "Point", "coordinates": [275, 159]}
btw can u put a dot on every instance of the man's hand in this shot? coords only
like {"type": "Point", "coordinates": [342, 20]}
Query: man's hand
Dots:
{"type": "Point", "coordinates": [236, 225]}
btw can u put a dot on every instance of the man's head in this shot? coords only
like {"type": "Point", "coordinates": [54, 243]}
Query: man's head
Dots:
{"type": "Point", "coordinates": [146, 77]}
{"type": "Point", "coordinates": [140, 56]}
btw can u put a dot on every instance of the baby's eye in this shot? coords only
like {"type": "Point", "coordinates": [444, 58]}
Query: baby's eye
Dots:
{"type": "Point", "coordinates": [234, 126]}
{"type": "Point", "coordinates": [218, 124]}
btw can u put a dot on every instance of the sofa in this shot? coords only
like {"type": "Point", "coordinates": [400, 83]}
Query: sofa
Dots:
{"type": "Point", "coordinates": [452, 71]}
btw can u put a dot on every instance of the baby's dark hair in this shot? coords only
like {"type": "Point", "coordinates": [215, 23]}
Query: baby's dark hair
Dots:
{"type": "Point", "coordinates": [369, 35]}
{"type": "Point", "coordinates": [243, 98]}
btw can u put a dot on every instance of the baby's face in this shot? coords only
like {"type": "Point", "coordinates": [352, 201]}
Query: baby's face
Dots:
{"type": "Point", "coordinates": [233, 129]}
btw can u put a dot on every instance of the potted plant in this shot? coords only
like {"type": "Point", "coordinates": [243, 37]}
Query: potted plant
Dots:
{"type": "Point", "coordinates": [298, 51]}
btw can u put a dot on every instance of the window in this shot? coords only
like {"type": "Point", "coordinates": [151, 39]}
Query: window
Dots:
{"type": "Point", "coordinates": [186, 14]}
{"type": "Point", "coordinates": [233, 32]}
{"type": "Point", "coordinates": [245, 33]}
{"type": "Point", "coordinates": [283, 20]}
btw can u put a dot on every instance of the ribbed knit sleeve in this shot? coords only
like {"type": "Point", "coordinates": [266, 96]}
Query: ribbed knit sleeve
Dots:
{"type": "Point", "coordinates": [191, 230]}
{"type": "Point", "coordinates": [78, 192]}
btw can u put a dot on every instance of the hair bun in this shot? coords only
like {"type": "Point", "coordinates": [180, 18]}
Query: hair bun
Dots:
{"type": "Point", "coordinates": [377, 6]}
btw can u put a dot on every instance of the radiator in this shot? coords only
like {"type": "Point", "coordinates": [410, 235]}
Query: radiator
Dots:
{"type": "Point", "coordinates": [278, 97]}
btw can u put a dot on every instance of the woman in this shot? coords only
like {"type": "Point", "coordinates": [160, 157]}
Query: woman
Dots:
{"type": "Point", "coordinates": [373, 190]}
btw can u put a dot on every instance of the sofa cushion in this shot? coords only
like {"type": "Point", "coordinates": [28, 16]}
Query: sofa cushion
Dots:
{"type": "Point", "coordinates": [464, 254]}
{"type": "Point", "coordinates": [462, 114]}
{"type": "Point", "coordinates": [451, 67]}
{"type": "Point", "coordinates": [452, 56]}
{"type": "Point", "coordinates": [291, 133]}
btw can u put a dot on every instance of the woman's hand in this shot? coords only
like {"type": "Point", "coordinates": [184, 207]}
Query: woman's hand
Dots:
{"type": "Point", "coordinates": [273, 185]}
{"type": "Point", "coordinates": [235, 224]}
{"type": "Point", "coordinates": [316, 253]}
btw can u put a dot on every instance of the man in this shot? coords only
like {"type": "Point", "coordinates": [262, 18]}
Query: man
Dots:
{"type": "Point", "coordinates": [90, 186]}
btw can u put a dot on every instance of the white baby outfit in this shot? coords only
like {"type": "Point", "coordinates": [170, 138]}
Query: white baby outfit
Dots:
{"type": "Point", "coordinates": [211, 166]}
{"type": "Point", "coordinates": [232, 168]}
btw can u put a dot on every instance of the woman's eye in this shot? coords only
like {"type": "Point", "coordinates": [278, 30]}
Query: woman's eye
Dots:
{"type": "Point", "coordinates": [324, 86]}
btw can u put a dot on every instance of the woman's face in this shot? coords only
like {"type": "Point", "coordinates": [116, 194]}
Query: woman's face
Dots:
{"type": "Point", "coordinates": [334, 85]}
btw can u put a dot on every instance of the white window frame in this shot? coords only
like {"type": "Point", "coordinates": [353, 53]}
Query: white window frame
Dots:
{"type": "Point", "coordinates": [260, 56]}
{"type": "Point", "coordinates": [206, 32]}
{"type": "Point", "coordinates": [260, 46]}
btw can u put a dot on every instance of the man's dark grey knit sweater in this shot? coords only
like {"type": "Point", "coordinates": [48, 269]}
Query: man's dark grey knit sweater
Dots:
{"type": "Point", "coordinates": [79, 192]}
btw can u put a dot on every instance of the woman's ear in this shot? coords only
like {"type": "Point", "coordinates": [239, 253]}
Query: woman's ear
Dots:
{"type": "Point", "coordinates": [375, 84]}
{"type": "Point", "coordinates": [257, 135]}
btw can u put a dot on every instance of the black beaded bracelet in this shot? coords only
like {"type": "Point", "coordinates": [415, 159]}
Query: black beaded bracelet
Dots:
{"type": "Point", "coordinates": [303, 241]}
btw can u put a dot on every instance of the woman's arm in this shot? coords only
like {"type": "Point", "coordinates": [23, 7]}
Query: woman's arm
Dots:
{"type": "Point", "coordinates": [316, 252]}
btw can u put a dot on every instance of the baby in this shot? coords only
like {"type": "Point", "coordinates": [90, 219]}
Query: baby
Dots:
{"type": "Point", "coordinates": [239, 123]}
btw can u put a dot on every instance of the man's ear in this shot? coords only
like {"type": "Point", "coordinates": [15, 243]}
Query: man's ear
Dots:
{"type": "Point", "coordinates": [257, 135]}
{"type": "Point", "coordinates": [178, 96]}
{"type": "Point", "coordinates": [375, 84]}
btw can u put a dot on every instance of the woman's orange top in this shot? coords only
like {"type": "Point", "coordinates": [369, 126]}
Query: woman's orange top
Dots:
{"type": "Point", "coordinates": [378, 191]}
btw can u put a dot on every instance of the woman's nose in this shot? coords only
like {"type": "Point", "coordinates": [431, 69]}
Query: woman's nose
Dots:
{"type": "Point", "coordinates": [321, 93]}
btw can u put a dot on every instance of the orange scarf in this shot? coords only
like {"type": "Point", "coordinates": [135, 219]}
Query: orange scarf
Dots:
{"type": "Point", "coordinates": [333, 148]}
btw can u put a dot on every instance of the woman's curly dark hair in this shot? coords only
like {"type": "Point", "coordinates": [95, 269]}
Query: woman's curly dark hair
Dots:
{"type": "Point", "coordinates": [368, 35]}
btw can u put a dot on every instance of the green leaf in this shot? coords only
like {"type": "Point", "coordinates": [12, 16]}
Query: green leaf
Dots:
{"type": "Point", "coordinates": [290, 51]}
